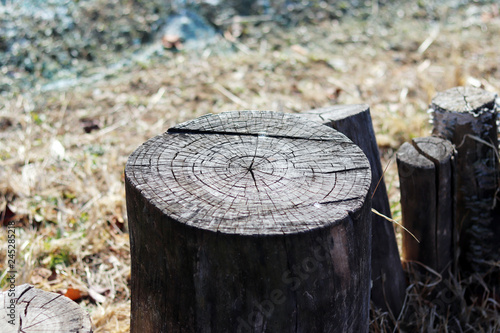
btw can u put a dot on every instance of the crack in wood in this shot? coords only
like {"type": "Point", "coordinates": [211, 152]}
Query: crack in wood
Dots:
{"type": "Point", "coordinates": [253, 177]}
{"type": "Point", "coordinates": [340, 171]}
{"type": "Point", "coordinates": [25, 291]}
{"type": "Point", "coordinates": [251, 164]}
{"type": "Point", "coordinates": [424, 153]}
{"type": "Point", "coordinates": [467, 105]}
{"type": "Point", "coordinates": [27, 305]}
{"type": "Point", "coordinates": [337, 201]}
{"type": "Point", "coordinates": [175, 130]}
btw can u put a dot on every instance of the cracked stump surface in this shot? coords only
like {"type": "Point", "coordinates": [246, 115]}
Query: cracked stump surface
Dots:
{"type": "Point", "coordinates": [27, 309]}
{"type": "Point", "coordinates": [251, 173]}
{"type": "Point", "coordinates": [249, 221]}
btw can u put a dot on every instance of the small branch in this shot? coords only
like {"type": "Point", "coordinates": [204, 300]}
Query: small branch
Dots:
{"type": "Point", "coordinates": [395, 222]}
{"type": "Point", "coordinates": [478, 139]}
{"type": "Point", "coordinates": [235, 99]}
{"type": "Point", "coordinates": [381, 178]}
{"type": "Point", "coordinates": [428, 41]}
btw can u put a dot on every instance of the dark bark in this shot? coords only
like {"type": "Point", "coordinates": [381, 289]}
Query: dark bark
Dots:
{"type": "Point", "coordinates": [249, 222]}
{"type": "Point", "coordinates": [467, 117]}
{"type": "Point", "coordinates": [389, 284]}
{"type": "Point", "coordinates": [426, 181]}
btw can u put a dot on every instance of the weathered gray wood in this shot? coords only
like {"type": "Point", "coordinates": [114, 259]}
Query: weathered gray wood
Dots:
{"type": "Point", "coordinates": [426, 181]}
{"type": "Point", "coordinates": [389, 283]}
{"type": "Point", "coordinates": [468, 118]}
{"type": "Point", "coordinates": [249, 221]}
{"type": "Point", "coordinates": [32, 310]}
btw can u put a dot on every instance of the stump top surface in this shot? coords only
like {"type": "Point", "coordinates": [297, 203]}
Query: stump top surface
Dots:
{"type": "Point", "coordinates": [41, 311]}
{"type": "Point", "coordinates": [425, 152]}
{"type": "Point", "coordinates": [335, 113]}
{"type": "Point", "coordinates": [464, 99]}
{"type": "Point", "coordinates": [434, 148]}
{"type": "Point", "coordinates": [251, 172]}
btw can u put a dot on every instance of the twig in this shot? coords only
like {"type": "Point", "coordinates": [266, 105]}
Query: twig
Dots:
{"type": "Point", "coordinates": [156, 97]}
{"type": "Point", "coordinates": [478, 139]}
{"type": "Point", "coordinates": [395, 222]}
{"type": "Point", "coordinates": [381, 177]}
{"type": "Point", "coordinates": [492, 146]}
{"type": "Point", "coordinates": [230, 95]}
{"type": "Point", "coordinates": [432, 271]}
{"type": "Point", "coordinates": [428, 41]}
{"type": "Point", "coordinates": [111, 128]}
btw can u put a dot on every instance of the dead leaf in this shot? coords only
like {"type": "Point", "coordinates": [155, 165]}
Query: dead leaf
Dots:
{"type": "Point", "coordinates": [118, 223]}
{"type": "Point", "coordinates": [53, 276]}
{"type": "Point", "coordinates": [172, 42]}
{"type": "Point", "coordinates": [89, 125]}
{"type": "Point", "coordinates": [73, 294]}
{"type": "Point", "coordinates": [7, 215]}
{"type": "Point", "coordinates": [9, 218]}
{"type": "Point", "coordinates": [5, 123]}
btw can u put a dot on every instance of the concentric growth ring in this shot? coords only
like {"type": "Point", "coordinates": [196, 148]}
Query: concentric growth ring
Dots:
{"type": "Point", "coordinates": [251, 172]}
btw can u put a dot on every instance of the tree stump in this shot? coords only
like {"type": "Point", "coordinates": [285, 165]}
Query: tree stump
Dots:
{"type": "Point", "coordinates": [389, 284]}
{"type": "Point", "coordinates": [467, 117]}
{"type": "Point", "coordinates": [33, 310]}
{"type": "Point", "coordinates": [426, 180]}
{"type": "Point", "coordinates": [249, 221]}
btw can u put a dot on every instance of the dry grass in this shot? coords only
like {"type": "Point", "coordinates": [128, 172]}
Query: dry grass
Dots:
{"type": "Point", "coordinates": [66, 186]}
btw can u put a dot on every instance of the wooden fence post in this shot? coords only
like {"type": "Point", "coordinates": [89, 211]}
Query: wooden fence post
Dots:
{"type": "Point", "coordinates": [426, 180]}
{"type": "Point", "coordinates": [249, 221]}
{"type": "Point", "coordinates": [467, 117]}
{"type": "Point", "coordinates": [389, 284]}
{"type": "Point", "coordinates": [27, 309]}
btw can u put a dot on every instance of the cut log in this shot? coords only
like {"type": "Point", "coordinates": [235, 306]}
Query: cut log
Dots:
{"type": "Point", "coordinates": [249, 221]}
{"type": "Point", "coordinates": [468, 118]}
{"type": "Point", "coordinates": [27, 309]}
{"type": "Point", "coordinates": [389, 284]}
{"type": "Point", "coordinates": [426, 181]}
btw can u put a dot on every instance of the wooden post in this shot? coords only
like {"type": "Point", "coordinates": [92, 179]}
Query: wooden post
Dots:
{"type": "Point", "coordinates": [426, 180]}
{"type": "Point", "coordinates": [468, 118]}
{"type": "Point", "coordinates": [249, 221]}
{"type": "Point", "coordinates": [389, 284]}
{"type": "Point", "coordinates": [27, 309]}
